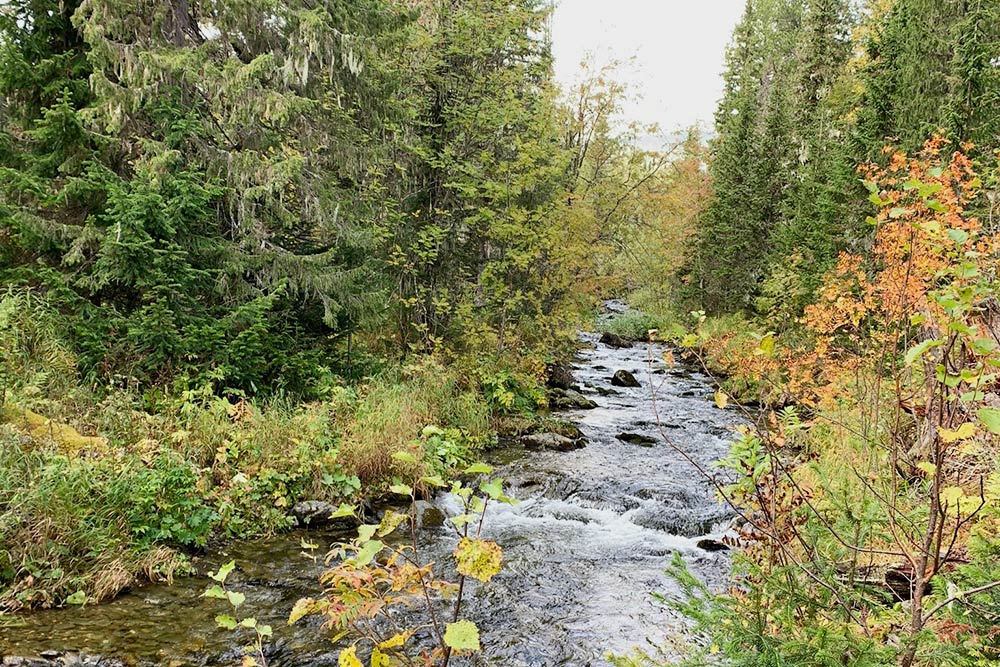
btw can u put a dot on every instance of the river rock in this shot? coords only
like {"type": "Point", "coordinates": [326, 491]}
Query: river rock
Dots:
{"type": "Point", "coordinates": [319, 513]}
{"type": "Point", "coordinates": [569, 399]}
{"type": "Point", "coordinates": [429, 516]}
{"type": "Point", "coordinates": [559, 443]}
{"type": "Point", "coordinates": [614, 340]}
{"type": "Point", "coordinates": [560, 377]}
{"type": "Point", "coordinates": [637, 439]}
{"type": "Point", "coordinates": [623, 378]}
{"type": "Point", "coordinates": [711, 544]}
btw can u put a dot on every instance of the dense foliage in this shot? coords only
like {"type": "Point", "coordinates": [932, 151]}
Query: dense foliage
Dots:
{"type": "Point", "coordinates": [815, 88]}
{"type": "Point", "coordinates": [842, 276]}
{"type": "Point", "coordinates": [252, 250]}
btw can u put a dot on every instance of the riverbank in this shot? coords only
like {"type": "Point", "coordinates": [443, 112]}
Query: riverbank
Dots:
{"type": "Point", "coordinates": [105, 488]}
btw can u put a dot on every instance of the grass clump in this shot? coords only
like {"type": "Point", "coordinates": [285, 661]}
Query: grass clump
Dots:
{"type": "Point", "coordinates": [636, 325]}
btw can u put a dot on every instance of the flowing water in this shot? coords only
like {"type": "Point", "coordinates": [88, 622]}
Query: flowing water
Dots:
{"type": "Point", "coordinates": [584, 548]}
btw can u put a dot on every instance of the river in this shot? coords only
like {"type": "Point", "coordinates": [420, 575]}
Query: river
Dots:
{"type": "Point", "coordinates": [584, 548]}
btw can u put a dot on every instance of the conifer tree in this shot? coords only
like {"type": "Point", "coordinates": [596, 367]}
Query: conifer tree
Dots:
{"type": "Point", "coordinates": [469, 249]}
{"type": "Point", "coordinates": [751, 158]}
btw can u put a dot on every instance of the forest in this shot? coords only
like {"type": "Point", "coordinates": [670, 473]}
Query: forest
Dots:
{"type": "Point", "coordinates": [265, 260]}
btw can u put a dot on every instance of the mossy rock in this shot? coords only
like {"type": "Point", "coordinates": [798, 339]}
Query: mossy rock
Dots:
{"type": "Point", "coordinates": [40, 427]}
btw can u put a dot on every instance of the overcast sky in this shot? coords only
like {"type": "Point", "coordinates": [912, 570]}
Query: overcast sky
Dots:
{"type": "Point", "coordinates": [679, 48]}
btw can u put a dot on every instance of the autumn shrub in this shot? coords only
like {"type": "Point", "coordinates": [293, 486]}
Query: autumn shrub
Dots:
{"type": "Point", "coordinates": [381, 573]}
{"type": "Point", "coordinates": [868, 510]}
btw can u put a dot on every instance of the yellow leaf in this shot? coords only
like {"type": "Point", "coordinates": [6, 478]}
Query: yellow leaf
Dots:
{"type": "Point", "coordinates": [379, 659]}
{"type": "Point", "coordinates": [964, 432]}
{"type": "Point", "coordinates": [951, 495]}
{"type": "Point", "coordinates": [927, 467]}
{"type": "Point", "coordinates": [721, 400]}
{"type": "Point", "coordinates": [396, 640]}
{"type": "Point", "coordinates": [349, 658]}
{"type": "Point", "coordinates": [480, 559]}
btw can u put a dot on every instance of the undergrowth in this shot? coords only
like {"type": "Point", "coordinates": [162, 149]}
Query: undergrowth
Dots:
{"type": "Point", "coordinates": [100, 489]}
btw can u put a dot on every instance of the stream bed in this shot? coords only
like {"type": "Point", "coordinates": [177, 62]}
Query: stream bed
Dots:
{"type": "Point", "coordinates": [584, 548]}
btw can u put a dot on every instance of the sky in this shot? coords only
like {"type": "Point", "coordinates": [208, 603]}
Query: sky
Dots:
{"type": "Point", "coordinates": [679, 49]}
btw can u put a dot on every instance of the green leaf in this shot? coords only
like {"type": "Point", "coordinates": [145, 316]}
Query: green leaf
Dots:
{"type": "Point", "coordinates": [368, 552]}
{"type": "Point", "coordinates": [223, 572]}
{"type": "Point", "coordinates": [919, 349]}
{"type": "Point", "coordinates": [344, 511]}
{"type": "Point", "coordinates": [225, 621]}
{"type": "Point", "coordinates": [493, 488]}
{"type": "Point", "coordinates": [77, 598]}
{"type": "Point", "coordinates": [990, 418]}
{"type": "Point", "coordinates": [366, 532]}
{"type": "Point", "coordinates": [402, 489]}
{"type": "Point", "coordinates": [264, 630]}
{"type": "Point", "coordinates": [959, 236]}
{"type": "Point", "coordinates": [434, 480]}
{"type": "Point", "coordinates": [249, 622]}
{"type": "Point", "coordinates": [236, 598]}
{"type": "Point", "coordinates": [405, 457]}
{"type": "Point", "coordinates": [479, 469]}
{"type": "Point", "coordinates": [214, 592]}
{"type": "Point", "coordinates": [462, 636]}
{"type": "Point", "coordinates": [983, 346]}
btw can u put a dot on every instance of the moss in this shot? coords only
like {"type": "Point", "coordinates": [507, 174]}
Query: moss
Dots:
{"type": "Point", "coordinates": [65, 437]}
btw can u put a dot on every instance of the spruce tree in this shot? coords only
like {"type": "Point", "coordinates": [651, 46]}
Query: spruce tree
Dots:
{"type": "Point", "coordinates": [751, 159]}
{"type": "Point", "coordinates": [468, 249]}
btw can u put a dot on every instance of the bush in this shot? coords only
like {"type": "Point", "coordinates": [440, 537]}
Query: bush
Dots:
{"type": "Point", "coordinates": [635, 325]}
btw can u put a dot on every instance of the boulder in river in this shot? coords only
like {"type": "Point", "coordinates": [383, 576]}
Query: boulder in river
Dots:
{"type": "Point", "coordinates": [319, 513]}
{"type": "Point", "coordinates": [637, 439]}
{"type": "Point", "coordinates": [560, 377]}
{"type": "Point", "coordinates": [712, 544]}
{"type": "Point", "coordinates": [429, 516]}
{"type": "Point", "coordinates": [569, 399]}
{"type": "Point", "coordinates": [554, 441]}
{"type": "Point", "coordinates": [614, 340]}
{"type": "Point", "coordinates": [623, 378]}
